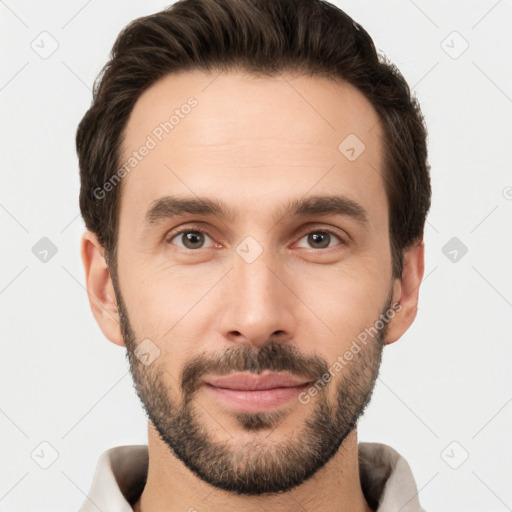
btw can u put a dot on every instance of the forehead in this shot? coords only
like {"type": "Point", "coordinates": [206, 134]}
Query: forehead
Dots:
{"type": "Point", "coordinates": [239, 136]}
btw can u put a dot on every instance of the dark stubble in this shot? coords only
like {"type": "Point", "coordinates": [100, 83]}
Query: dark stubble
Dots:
{"type": "Point", "coordinates": [255, 468]}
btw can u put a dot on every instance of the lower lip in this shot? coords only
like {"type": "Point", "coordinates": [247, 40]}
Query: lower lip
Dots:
{"type": "Point", "coordinates": [257, 400]}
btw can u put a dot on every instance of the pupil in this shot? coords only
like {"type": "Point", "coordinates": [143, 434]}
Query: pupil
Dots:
{"type": "Point", "coordinates": [316, 238]}
{"type": "Point", "coordinates": [192, 238]}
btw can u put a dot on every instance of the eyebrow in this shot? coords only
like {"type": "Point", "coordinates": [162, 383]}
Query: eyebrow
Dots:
{"type": "Point", "coordinates": [168, 207]}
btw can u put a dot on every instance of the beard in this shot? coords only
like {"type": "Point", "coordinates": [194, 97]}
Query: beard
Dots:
{"type": "Point", "coordinates": [259, 466]}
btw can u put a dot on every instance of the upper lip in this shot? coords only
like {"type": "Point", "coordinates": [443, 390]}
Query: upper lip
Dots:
{"type": "Point", "coordinates": [251, 382]}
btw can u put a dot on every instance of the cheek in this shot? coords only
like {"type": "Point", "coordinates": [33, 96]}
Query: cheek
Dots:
{"type": "Point", "coordinates": [167, 302]}
{"type": "Point", "coordinates": [341, 307]}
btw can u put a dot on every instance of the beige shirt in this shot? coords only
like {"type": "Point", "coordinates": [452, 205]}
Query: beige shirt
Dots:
{"type": "Point", "coordinates": [120, 476]}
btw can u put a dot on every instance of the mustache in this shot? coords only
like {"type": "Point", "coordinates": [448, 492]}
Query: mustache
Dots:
{"type": "Point", "coordinates": [273, 356]}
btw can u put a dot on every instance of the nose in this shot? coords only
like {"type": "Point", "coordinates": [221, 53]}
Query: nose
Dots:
{"type": "Point", "coordinates": [258, 304]}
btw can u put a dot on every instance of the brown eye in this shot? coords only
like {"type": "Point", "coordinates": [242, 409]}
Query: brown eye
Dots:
{"type": "Point", "coordinates": [320, 239]}
{"type": "Point", "coordinates": [189, 239]}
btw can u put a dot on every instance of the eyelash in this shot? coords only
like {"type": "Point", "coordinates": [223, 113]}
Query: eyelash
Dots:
{"type": "Point", "coordinates": [198, 230]}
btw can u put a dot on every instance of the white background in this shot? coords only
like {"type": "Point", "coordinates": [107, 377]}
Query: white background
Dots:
{"type": "Point", "coordinates": [448, 379]}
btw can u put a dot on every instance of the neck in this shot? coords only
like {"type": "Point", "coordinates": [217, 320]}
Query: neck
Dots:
{"type": "Point", "coordinates": [171, 486]}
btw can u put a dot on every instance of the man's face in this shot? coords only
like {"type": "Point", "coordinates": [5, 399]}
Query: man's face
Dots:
{"type": "Point", "coordinates": [264, 290]}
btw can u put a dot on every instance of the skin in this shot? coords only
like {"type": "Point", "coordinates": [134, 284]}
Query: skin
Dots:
{"type": "Point", "coordinates": [253, 143]}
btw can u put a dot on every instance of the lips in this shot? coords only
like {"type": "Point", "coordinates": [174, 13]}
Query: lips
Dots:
{"type": "Point", "coordinates": [247, 392]}
{"type": "Point", "coordinates": [248, 382]}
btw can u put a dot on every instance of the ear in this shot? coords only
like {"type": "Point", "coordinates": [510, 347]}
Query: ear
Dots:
{"type": "Point", "coordinates": [406, 291]}
{"type": "Point", "coordinates": [100, 288]}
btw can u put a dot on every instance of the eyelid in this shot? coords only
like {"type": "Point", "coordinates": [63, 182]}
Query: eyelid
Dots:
{"type": "Point", "coordinates": [323, 228]}
{"type": "Point", "coordinates": [342, 240]}
{"type": "Point", "coordinates": [185, 229]}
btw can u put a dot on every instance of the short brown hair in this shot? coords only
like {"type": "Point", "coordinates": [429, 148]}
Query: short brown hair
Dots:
{"type": "Point", "coordinates": [312, 37]}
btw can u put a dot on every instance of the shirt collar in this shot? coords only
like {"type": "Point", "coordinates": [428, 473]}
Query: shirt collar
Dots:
{"type": "Point", "coordinates": [121, 472]}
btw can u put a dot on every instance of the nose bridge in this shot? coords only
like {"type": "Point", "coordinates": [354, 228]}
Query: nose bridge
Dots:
{"type": "Point", "coordinates": [259, 304]}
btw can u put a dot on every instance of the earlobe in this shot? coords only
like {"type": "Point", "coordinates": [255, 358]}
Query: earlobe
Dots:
{"type": "Point", "coordinates": [406, 292]}
{"type": "Point", "coordinates": [100, 289]}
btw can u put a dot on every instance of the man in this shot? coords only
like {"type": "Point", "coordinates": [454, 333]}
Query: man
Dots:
{"type": "Point", "coordinates": [255, 186]}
